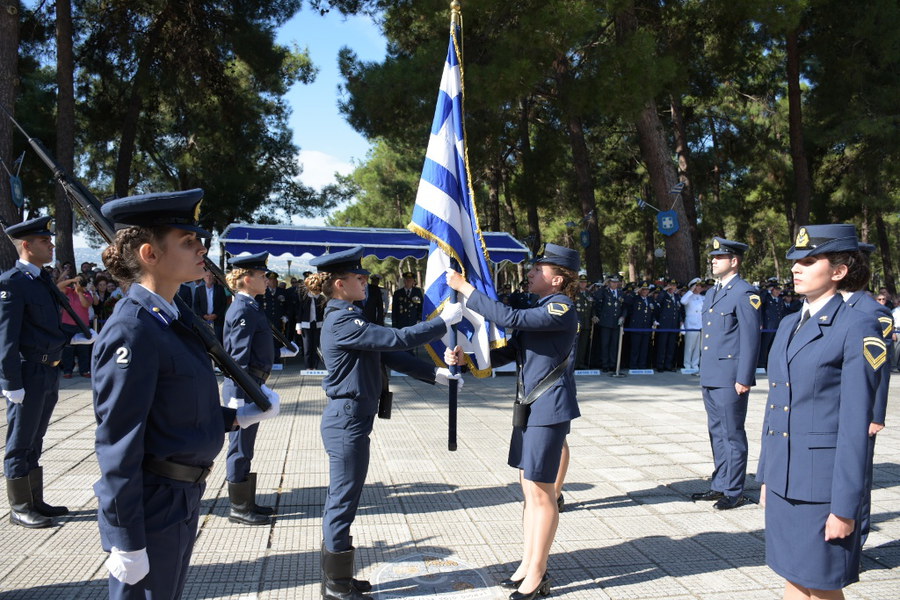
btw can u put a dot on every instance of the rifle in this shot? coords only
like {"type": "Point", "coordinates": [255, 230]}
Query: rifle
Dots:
{"type": "Point", "coordinates": [89, 208]}
{"type": "Point", "coordinates": [63, 300]}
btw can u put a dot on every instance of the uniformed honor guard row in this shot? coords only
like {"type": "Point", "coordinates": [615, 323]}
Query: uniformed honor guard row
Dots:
{"type": "Point", "coordinates": [161, 420]}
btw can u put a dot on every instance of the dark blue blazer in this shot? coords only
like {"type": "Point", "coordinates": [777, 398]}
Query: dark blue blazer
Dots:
{"type": "Point", "coordinates": [608, 307]}
{"type": "Point", "coordinates": [248, 339]}
{"type": "Point", "coordinates": [155, 394]}
{"type": "Point", "coordinates": [640, 314]}
{"type": "Point", "coordinates": [29, 324]}
{"type": "Point", "coordinates": [864, 302]}
{"type": "Point", "coordinates": [544, 337]}
{"type": "Point", "coordinates": [729, 341]}
{"type": "Point", "coordinates": [353, 350]}
{"type": "Point", "coordinates": [669, 312]}
{"type": "Point", "coordinates": [821, 390]}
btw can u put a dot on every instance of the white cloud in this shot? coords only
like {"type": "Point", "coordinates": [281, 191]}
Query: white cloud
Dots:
{"type": "Point", "coordinates": [319, 168]}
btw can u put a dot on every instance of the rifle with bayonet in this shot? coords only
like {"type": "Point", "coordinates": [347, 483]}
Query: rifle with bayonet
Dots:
{"type": "Point", "coordinates": [89, 207]}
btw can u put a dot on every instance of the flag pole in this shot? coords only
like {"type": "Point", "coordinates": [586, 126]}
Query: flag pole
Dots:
{"type": "Point", "coordinates": [452, 398]}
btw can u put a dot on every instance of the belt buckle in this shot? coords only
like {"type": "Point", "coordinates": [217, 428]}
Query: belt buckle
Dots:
{"type": "Point", "coordinates": [54, 363]}
{"type": "Point", "coordinates": [44, 358]}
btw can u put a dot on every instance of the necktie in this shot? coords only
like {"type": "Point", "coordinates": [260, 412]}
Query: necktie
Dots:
{"type": "Point", "coordinates": [803, 319]}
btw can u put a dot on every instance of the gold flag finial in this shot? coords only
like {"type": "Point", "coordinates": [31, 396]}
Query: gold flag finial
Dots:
{"type": "Point", "coordinates": [455, 12]}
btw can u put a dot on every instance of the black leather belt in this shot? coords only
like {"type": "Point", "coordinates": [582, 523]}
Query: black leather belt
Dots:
{"type": "Point", "coordinates": [51, 360]}
{"type": "Point", "coordinates": [176, 471]}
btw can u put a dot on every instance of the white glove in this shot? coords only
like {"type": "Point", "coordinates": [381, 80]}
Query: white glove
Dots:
{"type": "Point", "coordinates": [452, 313]}
{"type": "Point", "coordinates": [443, 376]}
{"type": "Point", "coordinates": [299, 329]}
{"type": "Point", "coordinates": [284, 319]}
{"type": "Point", "coordinates": [79, 340]}
{"type": "Point", "coordinates": [15, 396]}
{"type": "Point", "coordinates": [621, 321]}
{"type": "Point", "coordinates": [251, 414]}
{"type": "Point", "coordinates": [289, 352]}
{"type": "Point", "coordinates": [128, 567]}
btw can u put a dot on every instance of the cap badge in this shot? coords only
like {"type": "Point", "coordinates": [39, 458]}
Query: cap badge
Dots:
{"type": "Point", "coordinates": [197, 211]}
{"type": "Point", "coordinates": [802, 238]}
{"type": "Point", "coordinates": [715, 244]}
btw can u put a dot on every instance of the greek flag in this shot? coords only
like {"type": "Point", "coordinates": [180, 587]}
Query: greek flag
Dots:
{"type": "Point", "coordinates": [445, 215]}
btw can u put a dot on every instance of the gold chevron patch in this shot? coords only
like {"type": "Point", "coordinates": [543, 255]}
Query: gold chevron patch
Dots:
{"type": "Point", "coordinates": [557, 308]}
{"type": "Point", "coordinates": [755, 301]}
{"type": "Point", "coordinates": [887, 326]}
{"type": "Point", "coordinates": [875, 351]}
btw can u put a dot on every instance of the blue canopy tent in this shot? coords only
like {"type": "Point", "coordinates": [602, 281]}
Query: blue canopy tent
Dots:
{"type": "Point", "coordinates": [279, 240]}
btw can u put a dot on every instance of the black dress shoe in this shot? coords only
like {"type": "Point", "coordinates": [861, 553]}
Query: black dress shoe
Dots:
{"type": "Point", "coordinates": [707, 495]}
{"type": "Point", "coordinates": [511, 584]}
{"type": "Point", "coordinates": [560, 502]}
{"type": "Point", "coordinates": [543, 589]}
{"type": "Point", "coordinates": [728, 502]}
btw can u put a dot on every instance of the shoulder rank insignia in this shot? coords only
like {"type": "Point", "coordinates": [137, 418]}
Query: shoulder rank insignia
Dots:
{"type": "Point", "coordinates": [875, 351]}
{"type": "Point", "coordinates": [557, 308]}
{"type": "Point", "coordinates": [755, 301]}
{"type": "Point", "coordinates": [887, 326]}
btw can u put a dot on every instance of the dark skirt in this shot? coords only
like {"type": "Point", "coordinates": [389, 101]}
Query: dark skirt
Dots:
{"type": "Point", "coordinates": [796, 548]}
{"type": "Point", "coordinates": [537, 450]}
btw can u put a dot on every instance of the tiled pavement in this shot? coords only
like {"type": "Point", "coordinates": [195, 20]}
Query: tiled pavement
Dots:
{"type": "Point", "coordinates": [436, 524]}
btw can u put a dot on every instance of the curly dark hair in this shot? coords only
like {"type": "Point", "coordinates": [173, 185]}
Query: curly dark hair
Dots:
{"type": "Point", "coordinates": [121, 258]}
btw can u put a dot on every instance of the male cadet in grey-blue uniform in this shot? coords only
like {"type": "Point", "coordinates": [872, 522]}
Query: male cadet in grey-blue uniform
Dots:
{"type": "Point", "coordinates": [861, 300]}
{"type": "Point", "coordinates": [669, 315]}
{"type": "Point", "coordinates": [730, 347]}
{"type": "Point", "coordinates": [639, 311]}
{"type": "Point", "coordinates": [31, 343]}
{"type": "Point", "coordinates": [609, 304]}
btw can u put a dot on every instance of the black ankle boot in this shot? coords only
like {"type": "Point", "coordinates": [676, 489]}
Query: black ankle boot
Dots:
{"type": "Point", "coordinates": [260, 510]}
{"type": "Point", "coordinates": [361, 585]}
{"type": "Point", "coordinates": [21, 504]}
{"type": "Point", "coordinates": [36, 479]}
{"type": "Point", "coordinates": [241, 496]}
{"type": "Point", "coordinates": [337, 576]}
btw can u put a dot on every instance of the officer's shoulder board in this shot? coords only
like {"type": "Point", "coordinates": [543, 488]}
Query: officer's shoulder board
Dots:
{"type": "Point", "coordinates": [887, 326]}
{"type": "Point", "coordinates": [875, 351]}
{"type": "Point", "coordinates": [557, 309]}
{"type": "Point", "coordinates": [755, 300]}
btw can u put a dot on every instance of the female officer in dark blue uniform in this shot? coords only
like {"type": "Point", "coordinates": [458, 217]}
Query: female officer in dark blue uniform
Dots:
{"type": "Point", "coordinates": [823, 372]}
{"type": "Point", "coordinates": [543, 347]}
{"type": "Point", "coordinates": [156, 401]}
{"type": "Point", "coordinates": [354, 351]}
{"type": "Point", "coordinates": [247, 338]}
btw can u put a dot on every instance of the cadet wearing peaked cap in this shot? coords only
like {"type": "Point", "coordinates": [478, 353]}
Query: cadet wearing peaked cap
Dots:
{"type": "Point", "coordinates": [669, 315]}
{"type": "Point", "coordinates": [639, 312]}
{"type": "Point", "coordinates": [355, 353]}
{"type": "Point", "coordinates": [31, 339]}
{"type": "Point", "coordinates": [823, 371]}
{"type": "Point", "coordinates": [730, 347]}
{"type": "Point", "coordinates": [406, 304]}
{"type": "Point", "coordinates": [543, 346]}
{"type": "Point", "coordinates": [609, 306]}
{"type": "Point", "coordinates": [160, 424]}
{"type": "Point", "coordinates": [248, 339]}
{"type": "Point", "coordinates": [584, 306]}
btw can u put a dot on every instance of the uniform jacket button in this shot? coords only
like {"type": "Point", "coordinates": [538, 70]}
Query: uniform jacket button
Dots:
{"type": "Point", "coordinates": [771, 406]}
{"type": "Point", "coordinates": [706, 347]}
{"type": "Point", "coordinates": [784, 434]}
{"type": "Point", "coordinates": [786, 408]}
{"type": "Point", "coordinates": [347, 406]}
{"type": "Point", "coordinates": [774, 384]}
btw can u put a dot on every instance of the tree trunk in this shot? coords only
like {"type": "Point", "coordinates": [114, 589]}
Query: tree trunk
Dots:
{"type": "Point", "coordinates": [65, 127]}
{"type": "Point", "coordinates": [887, 264]}
{"type": "Point", "coordinates": [683, 154]}
{"type": "Point", "coordinates": [802, 183]}
{"type": "Point", "coordinates": [649, 252]}
{"type": "Point", "coordinates": [495, 180]}
{"type": "Point", "coordinates": [9, 83]}
{"type": "Point", "coordinates": [527, 191]}
{"type": "Point", "coordinates": [657, 157]}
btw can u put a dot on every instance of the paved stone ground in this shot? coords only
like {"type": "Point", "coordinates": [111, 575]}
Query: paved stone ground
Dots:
{"type": "Point", "coordinates": [436, 524]}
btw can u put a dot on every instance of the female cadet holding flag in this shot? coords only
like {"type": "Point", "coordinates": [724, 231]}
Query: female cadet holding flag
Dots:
{"type": "Point", "coordinates": [542, 347]}
{"type": "Point", "coordinates": [156, 400]}
{"type": "Point", "coordinates": [354, 350]}
{"type": "Point", "coordinates": [823, 372]}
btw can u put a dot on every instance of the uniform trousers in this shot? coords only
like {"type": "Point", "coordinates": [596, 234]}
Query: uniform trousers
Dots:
{"type": "Point", "coordinates": [609, 347]}
{"type": "Point", "coordinates": [240, 453]}
{"type": "Point", "coordinates": [726, 412]}
{"type": "Point", "coordinates": [171, 515]}
{"type": "Point", "coordinates": [640, 350]}
{"type": "Point", "coordinates": [346, 439]}
{"type": "Point", "coordinates": [311, 346]}
{"type": "Point", "coordinates": [81, 352]}
{"type": "Point", "coordinates": [765, 344]}
{"type": "Point", "coordinates": [28, 421]}
{"type": "Point", "coordinates": [584, 342]}
{"type": "Point", "coordinates": [692, 350]}
{"type": "Point", "coordinates": [665, 350]}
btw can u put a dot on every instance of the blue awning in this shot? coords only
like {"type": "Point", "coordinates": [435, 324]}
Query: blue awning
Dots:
{"type": "Point", "coordinates": [279, 240]}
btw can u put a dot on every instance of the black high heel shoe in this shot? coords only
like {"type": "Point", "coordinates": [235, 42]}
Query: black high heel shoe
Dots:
{"type": "Point", "coordinates": [511, 584]}
{"type": "Point", "coordinates": [543, 589]}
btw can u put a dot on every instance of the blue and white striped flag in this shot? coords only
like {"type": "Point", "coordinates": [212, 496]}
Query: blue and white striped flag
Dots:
{"type": "Point", "coordinates": [445, 215]}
